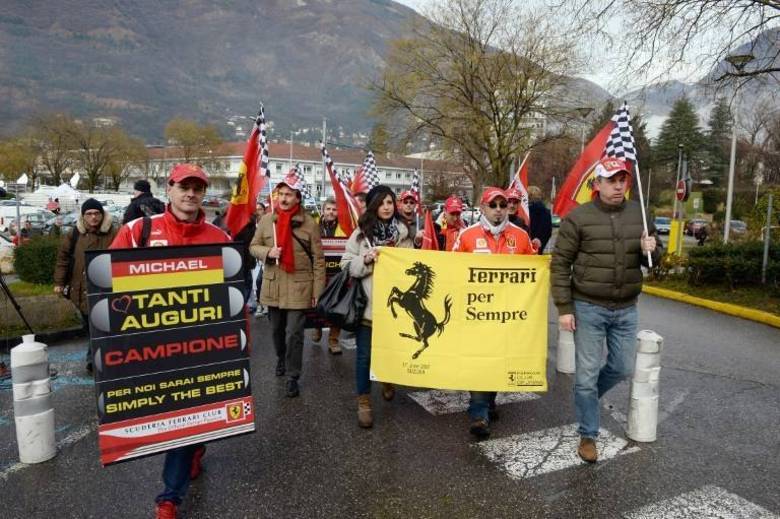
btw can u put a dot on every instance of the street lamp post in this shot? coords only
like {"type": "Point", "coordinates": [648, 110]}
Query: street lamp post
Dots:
{"type": "Point", "coordinates": [738, 61]}
{"type": "Point", "coordinates": [584, 112]}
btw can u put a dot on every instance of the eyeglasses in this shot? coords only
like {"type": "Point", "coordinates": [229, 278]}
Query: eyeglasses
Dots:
{"type": "Point", "coordinates": [494, 205]}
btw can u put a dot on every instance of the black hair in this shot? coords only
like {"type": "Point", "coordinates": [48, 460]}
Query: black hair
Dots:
{"type": "Point", "coordinates": [374, 200]}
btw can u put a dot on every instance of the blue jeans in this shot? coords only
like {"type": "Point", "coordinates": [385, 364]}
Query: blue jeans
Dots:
{"type": "Point", "coordinates": [176, 473]}
{"type": "Point", "coordinates": [480, 403]}
{"type": "Point", "coordinates": [363, 360]}
{"type": "Point", "coordinates": [594, 324]}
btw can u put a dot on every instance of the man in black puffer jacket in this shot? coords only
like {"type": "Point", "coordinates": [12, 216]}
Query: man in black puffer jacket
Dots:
{"type": "Point", "coordinates": [596, 278]}
{"type": "Point", "coordinates": [143, 203]}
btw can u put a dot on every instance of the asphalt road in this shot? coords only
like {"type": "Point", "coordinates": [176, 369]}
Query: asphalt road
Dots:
{"type": "Point", "coordinates": [716, 454]}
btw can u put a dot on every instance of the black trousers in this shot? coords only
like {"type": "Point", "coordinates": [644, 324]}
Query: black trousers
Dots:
{"type": "Point", "coordinates": [287, 335]}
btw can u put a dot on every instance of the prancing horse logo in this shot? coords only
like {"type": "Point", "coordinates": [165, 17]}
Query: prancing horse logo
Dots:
{"type": "Point", "coordinates": [413, 301]}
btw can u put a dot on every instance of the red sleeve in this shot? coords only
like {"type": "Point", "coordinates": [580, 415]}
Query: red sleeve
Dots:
{"type": "Point", "coordinates": [123, 240]}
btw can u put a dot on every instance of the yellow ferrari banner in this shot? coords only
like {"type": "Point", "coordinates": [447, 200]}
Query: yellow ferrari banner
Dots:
{"type": "Point", "coordinates": [460, 321]}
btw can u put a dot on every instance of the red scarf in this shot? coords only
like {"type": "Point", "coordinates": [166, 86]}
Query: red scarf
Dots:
{"type": "Point", "coordinates": [284, 237]}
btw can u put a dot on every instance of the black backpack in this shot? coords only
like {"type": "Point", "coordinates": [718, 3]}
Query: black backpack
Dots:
{"type": "Point", "coordinates": [151, 206]}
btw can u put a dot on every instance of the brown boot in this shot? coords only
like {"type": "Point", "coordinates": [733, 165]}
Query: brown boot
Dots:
{"type": "Point", "coordinates": [587, 450]}
{"type": "Point", "coordinates": [316, 335]}
{"type": "Point", "coordinates": [365, 420]}
{"type": "Point", "coordinates": [388, 391]}
{"type": "Point", "coordinates": [334, 348]}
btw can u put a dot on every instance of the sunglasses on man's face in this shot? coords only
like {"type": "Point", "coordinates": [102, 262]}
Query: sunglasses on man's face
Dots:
{"type": "Point", "coordinates": [494, 205]}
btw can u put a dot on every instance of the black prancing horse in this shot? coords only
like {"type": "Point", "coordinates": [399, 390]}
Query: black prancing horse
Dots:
{"type": "Point", "coordinates": [413, 301]}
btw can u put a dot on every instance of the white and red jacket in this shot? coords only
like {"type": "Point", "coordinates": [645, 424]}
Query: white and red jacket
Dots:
{"type": "Point", "coordinates": [167, 230]}
{"type": "Point", "coordinates": [512, 240]}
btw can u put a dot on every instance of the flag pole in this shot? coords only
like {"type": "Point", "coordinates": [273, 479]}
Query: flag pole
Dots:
{"type": "Point", "coordinates": [273, 220]}
{"type": "Point", "coordinates": [642, 207]}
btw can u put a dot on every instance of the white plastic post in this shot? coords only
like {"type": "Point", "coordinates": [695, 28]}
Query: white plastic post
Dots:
{"type": "Point", "coordinates": [33, 412]}
{"type": "Point", "coordinates": [643, 404]}
{"type": "Point", "coordinates": [564, 362]}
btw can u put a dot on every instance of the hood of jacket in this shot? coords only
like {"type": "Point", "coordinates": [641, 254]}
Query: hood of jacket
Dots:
{"type": "Point", "coordinates": [105, 225]}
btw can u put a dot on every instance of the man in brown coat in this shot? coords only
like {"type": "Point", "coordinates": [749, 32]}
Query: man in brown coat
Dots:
{"type": "Point", "coordinates": [288, 243]}
{"type": "Point", "coordinates": [94, 231]}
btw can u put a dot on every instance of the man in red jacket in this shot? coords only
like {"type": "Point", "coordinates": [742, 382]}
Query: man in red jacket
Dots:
{"type": "Point", "coordinates": [182, 223]}
{"type": "Point", "coordinates": [493, 234]}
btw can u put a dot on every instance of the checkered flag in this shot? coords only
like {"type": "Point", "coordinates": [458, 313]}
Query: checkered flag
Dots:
{"type": "Point", "coordinates": [370, 173]}
{"type": "Point", "coordinates": [621, 141]}
{"type": "Point", "coordinates": [297, 173]}
{"type": "Point", "coordinates": [260, 122]}
{"type": "Point", "coordinates": [415, 189]}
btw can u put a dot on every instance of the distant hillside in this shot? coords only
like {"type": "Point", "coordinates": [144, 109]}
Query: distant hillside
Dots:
{"type": "Point", "coordinates": [145, 62]}
{"type": "Point", "coordinates": [656, 100]}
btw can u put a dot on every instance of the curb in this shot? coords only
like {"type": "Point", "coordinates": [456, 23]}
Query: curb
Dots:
{"type": "Point", "coordinates": [725, 308]}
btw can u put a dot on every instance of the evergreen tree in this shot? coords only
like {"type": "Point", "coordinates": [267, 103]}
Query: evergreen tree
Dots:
{"type": "Point", "coordinates": [680, 128]}
{"type": "Point", "coordinates": [606, 113]}
{"type": "Point", "coordinates": [718, 140]}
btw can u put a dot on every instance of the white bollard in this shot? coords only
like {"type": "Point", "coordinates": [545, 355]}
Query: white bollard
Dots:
{"type": "Point", "coordinates": [33, 412]}
{"type": "Point", "coordinates": [643, 405]}
{"type": "Point", "coordinates": [564, 359]}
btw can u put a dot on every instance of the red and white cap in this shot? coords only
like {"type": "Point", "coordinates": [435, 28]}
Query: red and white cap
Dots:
{"type": "Point", "coordinates": [182, 172]}
{"type": "Point", "coordinates": [407, 194]}
{"type": "Point", "coordinates": [610, 166]}
{"type": "Point", "coordinates": [292, 181]}
{"type": "Point", "coordinates": [453, 205]}
{"type": "Point", "coordinates": [491, 193]}
{"type": "Point", "coordinates": [513, 194]}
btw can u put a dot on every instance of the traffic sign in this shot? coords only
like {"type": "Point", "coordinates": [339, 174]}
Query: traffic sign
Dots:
{"type": "Point", "coordinates": [682, 191]}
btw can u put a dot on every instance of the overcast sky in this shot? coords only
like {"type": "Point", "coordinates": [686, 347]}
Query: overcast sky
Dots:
{"type": "Point", "coordinates": [598, 67]}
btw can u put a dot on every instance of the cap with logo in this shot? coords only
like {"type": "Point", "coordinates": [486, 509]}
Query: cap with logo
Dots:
{"type": "Point", "coordinates": [609, 167]}
{"type": "Point", "coordinates": [491, 193]}
{"type": "Point", "coordinates": [453, 204]}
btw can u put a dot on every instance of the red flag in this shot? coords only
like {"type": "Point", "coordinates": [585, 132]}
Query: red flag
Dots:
{"type": "Point", "coordinates": [578, 189]}
{"type": "Point", "coordinates": [518, 184]}
{"type": "Point", "coordinates": [252, 176]}
{"type": "Point", "coordinates": [429, 240]}
{"type": "Point", "coordinates": [346, 206]}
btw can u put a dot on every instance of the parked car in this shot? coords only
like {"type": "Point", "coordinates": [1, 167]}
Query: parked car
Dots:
{"type": "Point", "coordinates": [8, 212]}
{"type": "Point", "coordinates": [663, 225]}
{"type": "Point", "coordinates": [214, 201]}
{"type": "Point", "coordinates": [38, 220]}
{"type": "Point", "coordinates": [692, 226]}
{"type": "Point", "coordinates": [738, 227]}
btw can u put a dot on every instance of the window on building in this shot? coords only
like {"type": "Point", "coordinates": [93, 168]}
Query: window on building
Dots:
{"type": "Point", "coordinates": [398, 176]}
{"type": "Point", "coordinates": [388, 175]}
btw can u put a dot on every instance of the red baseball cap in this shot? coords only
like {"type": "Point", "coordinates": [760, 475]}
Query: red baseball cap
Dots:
{"type": "Point", "coordinates": [610, 166]}
{"type": "Point", "coordinates": [453, 204]}
{"type": "Point", "coordinates": [513, 194]}
{"type": "Point", "coordinates": [491, 193]}
{"type": "Point", "coordinates": [407, 194]}
{"type": "Point", "coordinates": [184, 171]}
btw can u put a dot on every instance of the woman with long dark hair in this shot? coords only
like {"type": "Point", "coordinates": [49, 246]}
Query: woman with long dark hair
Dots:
{"type": "Point", "coordinates": [379, 226]}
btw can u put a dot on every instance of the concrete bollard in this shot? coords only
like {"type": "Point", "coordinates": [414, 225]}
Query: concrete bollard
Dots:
{"type": "Point", "coordinates": [33, 412]}
{"type": "Point", "coordinates": [564, 359]}
{"type": "Point", "coordinates": [643, 405]}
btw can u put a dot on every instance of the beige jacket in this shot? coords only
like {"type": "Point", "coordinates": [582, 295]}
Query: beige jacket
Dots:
{"type": "Point", "coordinates": [291, 291]}
{"type": "Point", "coordinates": [355, 252]}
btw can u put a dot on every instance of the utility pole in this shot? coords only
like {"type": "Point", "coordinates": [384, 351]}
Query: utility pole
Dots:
{"type": "Point", "coordinates": [324, 173]}
{"type": "Point", "coordinates": [291, 149]}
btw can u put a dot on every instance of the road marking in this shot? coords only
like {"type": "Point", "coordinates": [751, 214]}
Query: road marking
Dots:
{"type": "Point", "coordinates": [70, 439]}
{"type": "Point", "coordinates": [539, 452]}
{"type": "Point", "coordinates": [439, 402]}
{"type": "Point", "coordinates": [707, 501]}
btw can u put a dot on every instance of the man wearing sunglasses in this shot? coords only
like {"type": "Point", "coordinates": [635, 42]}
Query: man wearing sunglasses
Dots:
{"type": "Point", "coordinates": [493, 234]}
{"type": "Point", "coordinates": [596, 278]}
{"type": "Point", "coordinates": [407, 208]}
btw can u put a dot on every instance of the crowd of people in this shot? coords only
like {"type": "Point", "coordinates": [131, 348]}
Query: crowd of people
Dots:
{"type": "Point", "coordinates": [596, 277]}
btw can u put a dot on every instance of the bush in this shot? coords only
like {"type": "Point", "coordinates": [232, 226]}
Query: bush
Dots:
{"type": "Point", "coordinates": [34, 261]}
{"type": "Point", "coordinates": [735, 264]}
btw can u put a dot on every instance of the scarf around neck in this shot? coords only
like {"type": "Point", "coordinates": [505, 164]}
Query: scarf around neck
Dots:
{"type": "Point", "coordinates": [284, 237]}
{"type": "Point", "coordinates": [385, 232]}
{"type": "Point", "coordinates": [495, 230]}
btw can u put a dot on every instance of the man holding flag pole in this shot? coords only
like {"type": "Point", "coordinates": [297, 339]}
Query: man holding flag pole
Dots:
{"type": "Point", "coordinates": [596, 271]}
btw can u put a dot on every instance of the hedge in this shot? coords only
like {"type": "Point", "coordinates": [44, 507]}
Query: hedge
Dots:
{"type": "Point", "coordinates": [34, 261]}
{"type": "Point", "coordinates": [736, 264]}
